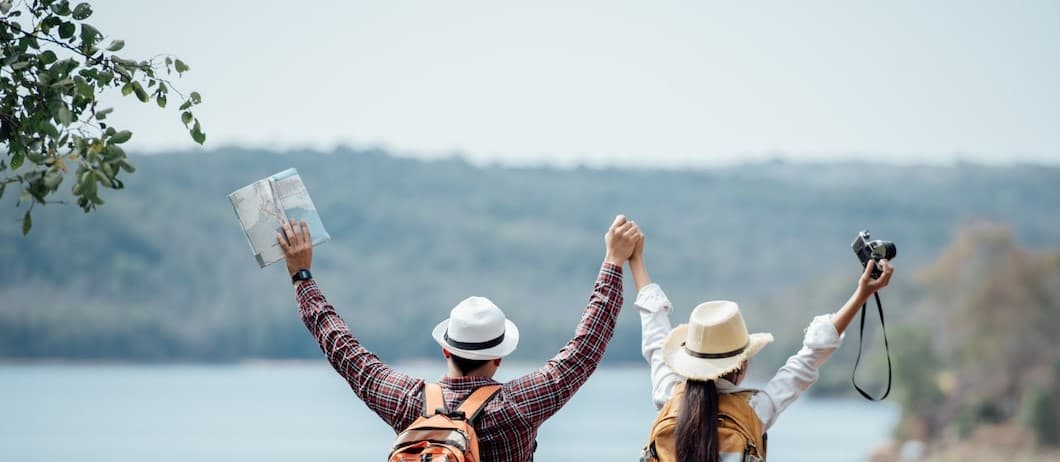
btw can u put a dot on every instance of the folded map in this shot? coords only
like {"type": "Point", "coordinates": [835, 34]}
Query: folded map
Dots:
{"type": "Point", "coordinates": [263, 205]}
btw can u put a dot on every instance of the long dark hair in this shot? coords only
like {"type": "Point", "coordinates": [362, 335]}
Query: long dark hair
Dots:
{"type": "Point", "coordinates": [696, 435]}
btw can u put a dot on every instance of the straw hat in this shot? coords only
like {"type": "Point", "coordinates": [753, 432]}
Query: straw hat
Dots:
{"type": "Point", "coordinates": [713, 343]}
{"type": "Point", "coordinates": [477, 329]}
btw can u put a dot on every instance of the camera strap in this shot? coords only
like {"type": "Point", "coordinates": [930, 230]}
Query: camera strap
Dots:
{"type": "Point", "coordinates": [887, 348]}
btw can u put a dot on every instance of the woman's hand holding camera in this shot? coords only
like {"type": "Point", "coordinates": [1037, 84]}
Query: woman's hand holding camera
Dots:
{"type": "Point", "coordinates": [868, 285]}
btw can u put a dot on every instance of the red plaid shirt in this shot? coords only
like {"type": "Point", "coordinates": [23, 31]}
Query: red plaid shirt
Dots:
{"type": "Point", "coordinates": [508, 426]}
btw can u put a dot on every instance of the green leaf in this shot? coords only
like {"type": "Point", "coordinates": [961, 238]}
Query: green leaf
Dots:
{"type": "Point", "coordinates": [121, 137]}
{"type": "Point", "coordinates": [104, 77]}
{"type": "Point", "coordinates": [116, 45]}
{"type": "Point", "coordinates": [86, 90]}
{"type": "Point", "coordinates": [180, 66]}
{"type": "Point", "coordinates": [50, 22]}
{"type": "Point", "coordinates": [66, 30]}
{"type": "Point", "coordinates": [48, 129]}
{"type": "Point", "coordinates": [82, 11]}
{"type": "Point", "coordinates": [161, 100]}
{"type": "Point", "coordinates": [185, 106]}
{"type": "Point", "coordinates": [197, 134]}
{"type": "Point", "coordinates": [35, 156]}
{"type": "Point", "coordinates": [64, 116]}
{"type": "Point", "coordinates": [102, 113]}
{"type": "Point", "coordinates": [17, 159]}
{"type": "Point", "coordinates": [126, 89]}
{"type": "Point", "coordinates": [47, 57]}
{"type": "Point", "coordinates": [113, 152]}
{"type": "Point", "coordinates": [89, 34]}
{"type": "Point", "coordinates": [27, 223]}
{"type": "Point", "coordinates": [141, 94]}
{"type": "Point", "coordinates": [104, 179]}
{"type": "Point", "coordinates": [61, 8]}
{"type": "Point", "coordinates": [124, 164]}
{"type": "Point", "coordinates": [64, 83]}
{"type": "Point", "coordinates": [196, 98]}
{"type": "Point", "coordinates": [186, 118]}
{"type": "Point", "coordinates": [5, 6]}
{"type": "Point", "coordinates": [53, 178]}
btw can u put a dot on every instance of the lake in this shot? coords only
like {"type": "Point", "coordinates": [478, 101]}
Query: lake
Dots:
{"type": "Point", "coordinates": [302, 410]}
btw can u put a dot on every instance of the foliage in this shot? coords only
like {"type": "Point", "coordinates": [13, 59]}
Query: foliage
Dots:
{"type": "Point", "coordinates": [1041, 413]}
{"type": "Point", "coordinates": [918, 366]}
{"type": "Point", "coordinates": [53, 70]}
{"type": "Point", "coordinates": [997, 308]}
{"type": "Point", "coordinates": [1040, 409]}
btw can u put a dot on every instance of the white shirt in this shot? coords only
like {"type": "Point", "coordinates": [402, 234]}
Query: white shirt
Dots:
{"type": "Point", "coordinates": [797, 374]}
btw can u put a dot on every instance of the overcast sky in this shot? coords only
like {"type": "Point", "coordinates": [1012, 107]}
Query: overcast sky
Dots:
{"type": "Point", "coordinates": [612, 82]}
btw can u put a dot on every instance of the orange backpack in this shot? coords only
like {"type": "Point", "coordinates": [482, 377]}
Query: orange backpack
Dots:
{"type": "Point", "coordinates": [441, 435]}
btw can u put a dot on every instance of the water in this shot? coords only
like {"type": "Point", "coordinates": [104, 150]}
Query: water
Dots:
{"type": "Point", "coordinates": [302, 411]}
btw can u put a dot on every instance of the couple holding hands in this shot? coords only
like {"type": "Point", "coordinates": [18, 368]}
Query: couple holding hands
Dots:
{"type": "Point", "coordinates": [696, 368]}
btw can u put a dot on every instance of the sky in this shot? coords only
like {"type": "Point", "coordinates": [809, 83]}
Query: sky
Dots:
{"type": "Point", "coordinates": [629, 83]}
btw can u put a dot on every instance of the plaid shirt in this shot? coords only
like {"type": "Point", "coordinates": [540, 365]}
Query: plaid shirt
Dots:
{"type": "Point", "coordinates": [508, 426]}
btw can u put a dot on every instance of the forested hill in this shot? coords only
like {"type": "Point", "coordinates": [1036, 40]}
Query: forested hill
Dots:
{"type": "Point", "coordinates": [163, 271]}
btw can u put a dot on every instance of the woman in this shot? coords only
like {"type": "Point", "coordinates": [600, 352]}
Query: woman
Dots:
{"type": "Point", "coordinates": [696, 370]}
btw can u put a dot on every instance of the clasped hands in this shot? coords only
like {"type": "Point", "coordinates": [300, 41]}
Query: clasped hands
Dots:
{"type": "Point", "coordinates": [623, 240]}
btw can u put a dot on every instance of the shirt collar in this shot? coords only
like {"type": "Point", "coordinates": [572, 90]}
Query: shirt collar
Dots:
{"type": "Point", "coordinates": [466, 383]}
{"type": "Point", "coordinates": [725, 386]}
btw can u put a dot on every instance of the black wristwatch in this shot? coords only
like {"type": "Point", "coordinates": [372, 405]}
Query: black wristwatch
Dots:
{"type": "Point", "coordinates": [301, 275]}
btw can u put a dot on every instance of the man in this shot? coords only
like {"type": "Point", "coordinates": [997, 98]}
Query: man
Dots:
{"type": "Point", "coordinates": [474, 340]}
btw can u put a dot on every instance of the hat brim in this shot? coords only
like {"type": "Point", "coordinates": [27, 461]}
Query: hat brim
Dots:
{"type": "Point", "coordinates": [688, 366]}
{"type": "Point", "coordinates": [506, 347]}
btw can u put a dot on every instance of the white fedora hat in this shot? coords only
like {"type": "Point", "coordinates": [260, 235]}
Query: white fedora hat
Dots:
{"type": "Point", "coordinates": [713, 343]}
{"type": "Point", "coordinates": [477, 329]}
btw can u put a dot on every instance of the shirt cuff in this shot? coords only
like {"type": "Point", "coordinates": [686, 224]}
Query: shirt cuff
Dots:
{"type": "Point", "coordinates": [652, 299]}
{"type": "Point", "coordinates": [821, 334]}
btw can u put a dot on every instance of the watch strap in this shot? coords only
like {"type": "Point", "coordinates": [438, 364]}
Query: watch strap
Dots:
{"type": "Point", "coordinates": [301, 275]}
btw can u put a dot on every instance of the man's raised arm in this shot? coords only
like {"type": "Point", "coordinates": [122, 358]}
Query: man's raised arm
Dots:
{"type": "Point", "coordinates": [543, 392]}
{"type": "Point", "coordinates": [383, 390]}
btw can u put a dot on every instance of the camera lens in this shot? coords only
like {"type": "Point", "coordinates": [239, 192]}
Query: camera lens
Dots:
{"type": "Point", "coordinates": [889, 250]}
{"type": "Point", "coordinates": [883, 249]}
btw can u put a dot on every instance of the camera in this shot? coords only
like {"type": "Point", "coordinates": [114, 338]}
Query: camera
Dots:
{"type": "Point", "coordinates": [874, 250]}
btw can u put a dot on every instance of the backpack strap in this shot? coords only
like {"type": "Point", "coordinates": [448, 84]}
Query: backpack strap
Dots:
{"type": "Point", "coordinates": [476, 402]}
{"type": "Point", "coordinates": [432, 399]}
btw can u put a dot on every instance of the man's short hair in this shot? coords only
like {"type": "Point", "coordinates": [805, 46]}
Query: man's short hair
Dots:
{"type": "Point", "coordinates": [466, 366]}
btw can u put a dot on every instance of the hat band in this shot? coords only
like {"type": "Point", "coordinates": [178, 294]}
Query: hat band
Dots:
{"type": "Point", "coordinates": [727, 354]}
{"type": "Point", "coordinates": [473, 346]}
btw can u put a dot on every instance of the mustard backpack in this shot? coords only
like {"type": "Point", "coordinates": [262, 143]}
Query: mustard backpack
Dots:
{"type": "Point", "coordinates": [740, 436]}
